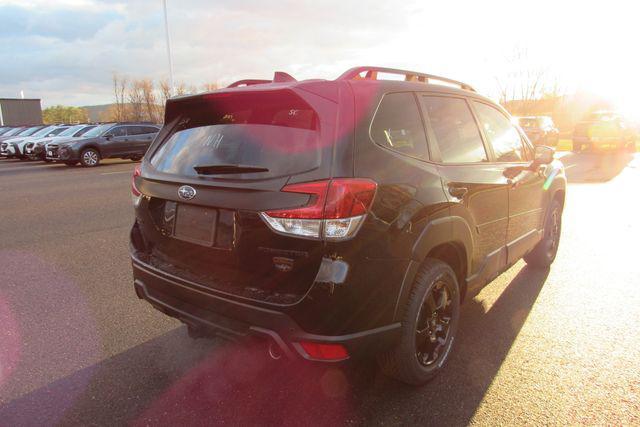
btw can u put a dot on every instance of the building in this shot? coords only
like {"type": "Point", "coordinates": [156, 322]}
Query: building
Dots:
{"type": "Point", "coordinates": [17, 112]}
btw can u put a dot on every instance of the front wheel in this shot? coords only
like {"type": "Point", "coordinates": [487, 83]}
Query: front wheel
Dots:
{"type": "Point", "coordinates": [89, 157]}
{"type": "Point", "coordinates": [428, 327]}
{"type": "Point", "coordinates": [544, 253]}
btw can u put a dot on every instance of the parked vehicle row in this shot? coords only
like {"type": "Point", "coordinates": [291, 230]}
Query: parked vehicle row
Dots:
{"type": "Point", "coordinates": [600, 131]}
{"type": "Point", "coordinates": [604, 131]}
{"type": "Point", "coordinates": [86, 144]}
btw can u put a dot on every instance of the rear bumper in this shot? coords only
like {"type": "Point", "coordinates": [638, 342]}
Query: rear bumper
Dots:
{"type": "Point", "coordinates": [200, 309]}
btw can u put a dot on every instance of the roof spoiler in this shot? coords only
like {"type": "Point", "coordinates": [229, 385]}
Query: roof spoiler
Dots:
{"type": "Point", "coordinates": [278, 77]}
{"type": "Point", "coordinates": [409, 76]}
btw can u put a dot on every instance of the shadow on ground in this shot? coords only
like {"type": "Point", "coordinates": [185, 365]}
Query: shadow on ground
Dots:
{"type": "Point", "coordinates": [595, 167]}
{"type": "Point", "coordinates": [174, 380]}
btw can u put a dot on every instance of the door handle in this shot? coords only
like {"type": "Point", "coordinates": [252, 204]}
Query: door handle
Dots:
{"type": "Point", "coordinates": [458, 192]}
{"type": "Point", "coordinates": [542, 170]}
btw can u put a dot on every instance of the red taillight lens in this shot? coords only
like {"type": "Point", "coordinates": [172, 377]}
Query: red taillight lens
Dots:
{"type": "Point", "coordinates": [134, 189]}
{"type": "Point", "coordinates": [331, 199]}
{"type": "Point", "coordinates": [329, 352]}
{"type": "Point", "coordinates": [349, 197]}
{"type": "Point", "coordinates": [314, 210]}
{"type": "Point", "coordinates": [335, 210]}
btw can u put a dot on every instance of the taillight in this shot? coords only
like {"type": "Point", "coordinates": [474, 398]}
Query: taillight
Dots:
{"type": "Point", "coordinates": [135, 192]}
{"type": "Point", "coordinates": [335, 210]}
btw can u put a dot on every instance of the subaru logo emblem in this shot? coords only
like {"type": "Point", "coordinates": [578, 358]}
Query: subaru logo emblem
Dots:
{"type": "Point", "coordinates": [186, 192]}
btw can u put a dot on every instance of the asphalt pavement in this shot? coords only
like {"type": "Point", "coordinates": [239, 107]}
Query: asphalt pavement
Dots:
{"type": "Point", "coordinates": [535, 347]}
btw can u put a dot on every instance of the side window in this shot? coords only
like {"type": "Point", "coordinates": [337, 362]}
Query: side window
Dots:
{"type": "Point", "coordinates": [456, 132]}
{"type": "Point", "coordinates": [117, 131]}
{"type": "Point", "coordinates": [134, 130]}
{"type": "Point", "coordinates": [149, 129]}
{"type": "Point", "coordinates": [397, 125]}
{"type": "Point", "coordinates": [502, 135]}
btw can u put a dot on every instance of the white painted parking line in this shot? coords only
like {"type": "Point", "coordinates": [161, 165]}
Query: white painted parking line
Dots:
{"type": "Point", "coordinates": [111, 173]}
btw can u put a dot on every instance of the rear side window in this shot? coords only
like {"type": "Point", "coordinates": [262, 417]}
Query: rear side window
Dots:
{"type": "Point", "coordinates": [502, 135]}
{"type": "Point", "coordinates": [118, 131]}
{"type": "Point", "coordinates": [277, 131]}
{"type": "Point", "coordinates": [148, 129]}
{"type": "Point", "coordinates": [455, 130]}
{"type": "Point", "coordinates": [397, 125]}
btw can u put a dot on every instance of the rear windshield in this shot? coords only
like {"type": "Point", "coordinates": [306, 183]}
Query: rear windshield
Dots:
{"type": "Point", "coordinates": [276, 131]}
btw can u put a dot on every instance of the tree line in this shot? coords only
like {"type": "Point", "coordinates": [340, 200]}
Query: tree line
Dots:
{"type": "Point", "coordinates": [144, 99]}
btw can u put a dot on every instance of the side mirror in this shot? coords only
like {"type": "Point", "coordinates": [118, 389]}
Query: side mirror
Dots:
{"type": "Point", "coordinates": [543, 155]}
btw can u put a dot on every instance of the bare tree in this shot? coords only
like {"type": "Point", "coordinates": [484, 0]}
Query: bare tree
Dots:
{"type": "Point", "coordinates": [151, 106]}
{"type": "Point", "coordinates": [523, 81]}
{"type": "Point", "coordinates": [209, 87]}
{"type": "Point", "coordinates": [135, 95]}
{"type": "Point", "coordinates": [183, 89]}
{"type": "Point", "coordinates": [119, 90]}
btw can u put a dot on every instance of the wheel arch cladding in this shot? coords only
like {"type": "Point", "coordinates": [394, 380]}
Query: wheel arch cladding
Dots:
{"type": "Point", "coordinates": [447, 239]}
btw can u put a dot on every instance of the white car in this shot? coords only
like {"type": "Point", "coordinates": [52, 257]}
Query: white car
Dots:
{"type": "Point", "coordinates": [48, 131]}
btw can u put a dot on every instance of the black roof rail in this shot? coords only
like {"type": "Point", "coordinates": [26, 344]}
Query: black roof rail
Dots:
{"type": "Point", "coordinates": [409, 76]}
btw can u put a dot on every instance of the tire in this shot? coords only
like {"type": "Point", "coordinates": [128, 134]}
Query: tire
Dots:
{"type": "Point", "coordinates": [136, 159]}
{"type": "Point", "coordinates": [544, 253]}
{"type": "Point", "coordinates": [402, 362]}
{"type": "Point", "coordinates": [89, 157]}
{"type": "Point", "coordinates": [576, 148]}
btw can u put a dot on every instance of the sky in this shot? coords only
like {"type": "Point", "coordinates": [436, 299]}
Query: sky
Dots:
{"type": "Point", "coordinates": [66, 51]}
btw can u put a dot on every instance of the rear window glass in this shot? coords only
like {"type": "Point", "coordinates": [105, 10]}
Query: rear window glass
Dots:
{"type": "Point", "coordinates": [276, 131]}
{"type": "Point", "coordinates": [398, 126]}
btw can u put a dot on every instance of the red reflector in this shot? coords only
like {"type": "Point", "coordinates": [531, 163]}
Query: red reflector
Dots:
{"type": "Point", "coordinates": [324, 351]}
{"type": "Point", "coordinates": [330, 199]}
{"type": "Point", "coordinates": [134, 189]}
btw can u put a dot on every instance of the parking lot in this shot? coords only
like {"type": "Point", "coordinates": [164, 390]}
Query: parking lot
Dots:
{"type": "Point", "coordinates": [536, 347]}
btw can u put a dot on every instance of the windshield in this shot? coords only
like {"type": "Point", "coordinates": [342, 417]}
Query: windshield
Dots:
{"type": "Point", "coordinates": [70, 131]}
{"type": "Point", "coordinates": [29, 131]}
{"type": "Point", "coordinates": [15, 131]}
{"type": "Point", "coordinates": [57, 131]}
{"type": "Point", "coordinates": [97, 131]}
{"type": "Point", "coordinates": [44, 131]}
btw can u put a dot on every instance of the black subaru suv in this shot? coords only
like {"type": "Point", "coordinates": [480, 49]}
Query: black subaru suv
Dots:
{"type": "Point", "coordinates": [109, 140]}
{"type": "Point", "coordinates": [339, 219]}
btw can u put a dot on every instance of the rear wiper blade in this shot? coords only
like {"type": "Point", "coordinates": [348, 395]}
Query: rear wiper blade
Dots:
{"type": "Point", "coordinates": [228, 169]}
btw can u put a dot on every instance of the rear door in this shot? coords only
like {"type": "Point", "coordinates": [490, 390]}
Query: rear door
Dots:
{"type": "Point", "coordinates": [526, 187]}
{"type": "Point", "coordinates": [140, 138]}
{"type": "Point", "coordinates": [208, 180]}
{"type": "Point", "coordinates": [476, 188]}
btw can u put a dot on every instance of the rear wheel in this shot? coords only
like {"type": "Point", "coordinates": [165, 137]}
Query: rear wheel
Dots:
{"type": "Point", "coordinates": [89, 157]}
{"type": "Point", "coordinates": [544, 253]}
{"type": "Point", "coordinates": [428, 327]}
